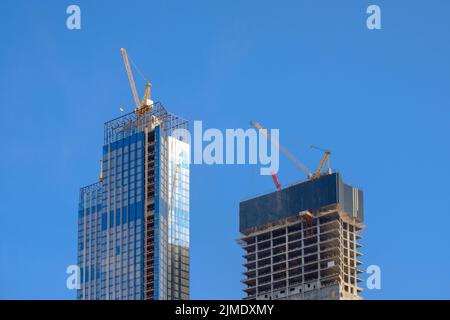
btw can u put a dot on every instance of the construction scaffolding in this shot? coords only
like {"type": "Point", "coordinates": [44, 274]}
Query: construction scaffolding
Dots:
{"type": "Point", "coordinates": [130, 123]}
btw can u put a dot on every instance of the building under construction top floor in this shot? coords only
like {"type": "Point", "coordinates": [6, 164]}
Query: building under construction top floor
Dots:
{"type": "Point", "coordinates": [301, 242]}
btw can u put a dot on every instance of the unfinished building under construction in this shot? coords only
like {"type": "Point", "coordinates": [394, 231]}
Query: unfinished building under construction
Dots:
{"type": "Point", "coordinates": [301, 242]}
{"type": "Point", "coordinates": [133, 224]}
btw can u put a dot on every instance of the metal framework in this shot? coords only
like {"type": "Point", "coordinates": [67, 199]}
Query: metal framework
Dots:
{"type": "Point", "coordinates": [291, 259]}
{"type": "Point", "coordinates": [132, 122]}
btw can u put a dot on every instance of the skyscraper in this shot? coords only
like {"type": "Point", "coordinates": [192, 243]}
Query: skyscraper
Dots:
{"type": "Point", "coordinates": [301, 242]}
{"type": "Point", "coordinates": [133, 225]}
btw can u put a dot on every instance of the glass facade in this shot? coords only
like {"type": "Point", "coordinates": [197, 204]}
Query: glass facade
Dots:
{"type": "Point", "coordinates": [172, 219]}
{"type": "Point", "coordinates": [133, 227]}
{"type": "Point", "coordinates": [89, 213]}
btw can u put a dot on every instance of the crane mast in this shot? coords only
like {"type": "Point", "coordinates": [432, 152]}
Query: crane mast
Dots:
{"type": "Point", "coordinates": [326, 158]}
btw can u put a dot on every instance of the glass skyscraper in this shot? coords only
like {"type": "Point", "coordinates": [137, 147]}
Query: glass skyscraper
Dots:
{"type": "Point", "coordinates": [133, 225]}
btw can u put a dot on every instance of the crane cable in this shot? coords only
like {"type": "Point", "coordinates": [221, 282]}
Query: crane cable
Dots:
{"type": "Point", "coordinates": [137, 69]}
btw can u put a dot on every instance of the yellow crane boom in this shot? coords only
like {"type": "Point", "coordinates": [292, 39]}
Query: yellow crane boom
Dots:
{"type": "Point", "coordinates": [300, 165]}
{"type": "Point", "coordinates": [130, 77]}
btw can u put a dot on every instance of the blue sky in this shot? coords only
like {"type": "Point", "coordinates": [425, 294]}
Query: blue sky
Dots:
{"type": "Point", "coordinates": [378, 99]}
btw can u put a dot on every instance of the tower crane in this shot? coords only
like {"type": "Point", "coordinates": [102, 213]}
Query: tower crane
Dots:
{"type": "Point", "coordinates": [146, 104]}
{"type": "Point", "coordinates": [326, 158]}
{"type": "Point", "coordinates": [300, 165]}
